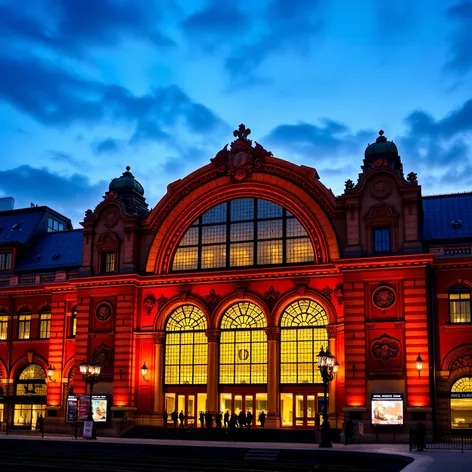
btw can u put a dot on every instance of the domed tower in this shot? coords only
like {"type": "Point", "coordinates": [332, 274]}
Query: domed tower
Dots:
{"type": "Point", "coordinates": [130, 192]}
{"type": "Point", "coordinates": [382, 153]}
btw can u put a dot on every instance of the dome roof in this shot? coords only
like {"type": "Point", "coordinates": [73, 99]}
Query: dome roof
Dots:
{"type": "Point", "coordinates": [381, 147]}
{"type": "Point", "coordinates": [126, 184]}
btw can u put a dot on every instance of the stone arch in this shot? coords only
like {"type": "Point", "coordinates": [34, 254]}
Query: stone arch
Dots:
{"type": "Point", "coordinates": [24, 361]}
{"type": "Point", "coordinates": [70, 363]}
{"type": "Point", "coordinates": [272, 188]}
{"type": "Point", "coordinates": [175, 302]}
{"type": "Point", "coordinates": [3, 369]}
{"type": "Point", "coordinates": [24, 307]}
{"type": "Point", "coordinates": [233, 299]}
{"type": "Point", "coordinates": [298, 294]}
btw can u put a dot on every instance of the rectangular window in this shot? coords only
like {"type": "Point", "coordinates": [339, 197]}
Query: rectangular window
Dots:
{"type": "Point", "coordinates": [3, 327]}
{"type": "Point", "coordinates": [54, 225]}
{"type": "Point", "coordinates": [110, 262]}
{"type": "Point", "coordinates": [24, 326]}
{"type": "Point", "coordinates": [73, 324]}
{"type": "Point", "coordinates": [381, 239]}
{"type": "Point", "coordinates": [44, 325]}
{"type": "Point", "coordinates": [5, 260]}
{"type": "Point", "coordinates": [459, 307]}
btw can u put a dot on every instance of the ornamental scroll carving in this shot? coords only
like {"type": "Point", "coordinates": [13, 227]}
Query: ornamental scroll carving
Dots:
{"type": "Point", "coordinates": [213, 335]}
{"type": "Point", "coordinates": [212, 299]}
{"type": "Point", "coordinates": [103, 355]}
{"type": "Point", "coordinates": [149, 304]}
{"type": "Point", "coordinates": [332, 331]}
{"type": "Point", "coordinates": [385, 348]}
{"type": "Point", "coordinates": [383, 297]}
{"type": "Point", "coordinates": [339, 293]}
{"type": "Point", "coordinates": [273, 334]}
{"type": "Point", "coordinates": [159, 337]}
{"type": "Point", "coordinates": [271, 296]}
{"type": "Point", "coordinates": [461, 362]}
{"type": "Point", "coordinates": [381, 190]}
{"type": "Point", "coordinates": [327, 292]}
{"type": "Point", "coordinates": [161, 301]}
{"type": "Point", "coordinates": [103, 312]}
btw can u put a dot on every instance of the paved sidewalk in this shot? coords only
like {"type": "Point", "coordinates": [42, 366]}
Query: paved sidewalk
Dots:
{"type": "Point", "coordinates": [427, 461]}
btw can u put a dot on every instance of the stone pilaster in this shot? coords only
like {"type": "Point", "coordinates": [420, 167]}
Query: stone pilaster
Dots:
{"type": "Point", "coordinates": [213, 336]}
{"type": "Point", "coordinates": [273, 375]}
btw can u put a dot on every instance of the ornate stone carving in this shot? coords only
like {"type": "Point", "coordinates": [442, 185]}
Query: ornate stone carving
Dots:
{"type": "Point", "coordinates": [327, 292]}
{"type": "Point", "coordinates": [339, 293]}
{"type": "Point", "coordinates": [111, 219]}
{"type": "Point", "coordinates": [103, 355]}
{"type": "Point", "coordinates": [240, 292]}
{"type": "Point", "coordinates": [212, 299]}
{"type": "Point", "coordinates": [273, 334]}
{"type": "Point", "coordinates": [385, 348]}
{"type": "Point", "coordinates": [332, 331]}
{"type": "Point", "coordinates": [412, 177]}
{"type": "Point", "coordinates": [301, 289]}
{"type": "Point", "coordinates": [213, 335]}
{"type": "Point", "coordinates": [161, 301]}
{"type": "Point", "coordinates": [88, 213]}
{"type": "Point", "coordinates": [348, 185]}
{"type": "Point", "coordinates": [103, 312]}
{"type": "Point", "coordinates": [184, 294]}
{"type": "Point", "coordinates": [110, 196]}
{"type": "Point", "coordinates": [159, 337]}
{"type": "Point", "coordinates": [461, 362]}
{"type": "Point", "coordinates": [379, 163]}
{"type": "Point", "coordinates": [383, 297]}
{"type": "Point", "coordinates": [381, 190]}
{"type": "Point", "coordinates": [271, 296]}
{"type": "Point", "coordinates": [149, 304]}
{"type": "Point", "coordinates": [242, 158]}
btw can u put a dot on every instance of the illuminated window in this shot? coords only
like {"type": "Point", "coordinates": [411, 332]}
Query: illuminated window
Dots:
{"type": "Point", "coordinates": [243, 233]}
{"type": "Point", "coordinates": [73, 323]}
{"type": "Point", "coordinates": [303, 334]}
{"type": "Point", "coordinates": [459, 305]}
{"type": "Point", "coordinates": [24, 324]}
{"type": "Point", "coordinates": [5, 260]}
{"type": "Point", "coordinates": [186, 347]}
{"type": "Point", "coordinates": [31, 381]}
{"type": "Point", "coordinates": [243, 345]}
{"type": "Point", "coordinates": [463, 385]}
{"type": "Point", "coordinates": [381, 239]}
{"type": "Point", "coordinates": [109, 262]}
{"type": "Point", "coordinates": [54, 225]}
{"type": "Point", "coordinates": [45, 325]}
{"type": "Point", "coordinates": [3, 325]}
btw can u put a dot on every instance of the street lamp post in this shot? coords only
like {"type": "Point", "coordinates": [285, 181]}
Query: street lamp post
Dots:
{"type": "Point", "coordinates": [328, 369]}
{"type": "Point", "coordinates": [90, 373]}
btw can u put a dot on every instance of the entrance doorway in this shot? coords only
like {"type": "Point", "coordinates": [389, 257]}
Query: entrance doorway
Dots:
{"type": "Point", "coordinates": [300, 409]}
{"type": "Point", "coordinates": [190, 404]}
{"type": "Point", "coordinates": [461, 404]}
{"type": "Point", "coordinates": [255, 403]}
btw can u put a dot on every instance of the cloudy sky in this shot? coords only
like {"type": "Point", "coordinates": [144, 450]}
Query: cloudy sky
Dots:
{"type": "Point", "coordinates": [88, 87]}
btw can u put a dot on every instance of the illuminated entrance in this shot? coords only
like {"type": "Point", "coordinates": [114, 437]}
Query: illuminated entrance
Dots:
{"type": "Point", "coordinates": [252, 402]}
{"type": "Point", "coordinates": [461, 403]}
{"type": "Point", "coordinates": [189, 404]}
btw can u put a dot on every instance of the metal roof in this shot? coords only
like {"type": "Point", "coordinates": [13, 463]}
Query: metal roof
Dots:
{"type": "Point", "coordinates": [447, 217]}
{"type": "Point", "coordinates": [18, 227]}
{"type": "Point", "coordinates": [54, 251]}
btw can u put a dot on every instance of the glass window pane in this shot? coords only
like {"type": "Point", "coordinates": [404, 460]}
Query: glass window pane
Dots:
{"type": "Point", "coordinates": [299, 250]}
{"type": "Point", "coordinates": [215, 215]}
{"type": "Point", "coordinates": [242, 232]}
{"type": "Point", "coordinates": [242, 209]}
{"type": "Point", "coordinates": [294, 228]}
{"type": "Point", "coordinates": [271, 229]}
{"type": "Point", "coordinates": [186, 258]}
{"type": "Point", "coordinates": [269, 252]}
{"type": "Point", "coordinates": [190, 238]}
{"type": "Point", "coordinates": [213, 234]}
{"type": "Point", "coordinates": [267, 209]}
{"type": "Point", "coordinates": [213, 256]}
{"type": "Point", "coordinates": [241, 254]}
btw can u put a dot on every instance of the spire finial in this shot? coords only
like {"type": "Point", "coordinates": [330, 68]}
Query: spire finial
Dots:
{"type": "Point", "coordinates": [128, 168]}
{"type": "Point", "coordinates": [381, 132]}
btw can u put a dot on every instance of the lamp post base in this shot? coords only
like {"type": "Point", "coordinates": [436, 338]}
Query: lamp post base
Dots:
{"type": "Point", "coordinates": [325, 434]}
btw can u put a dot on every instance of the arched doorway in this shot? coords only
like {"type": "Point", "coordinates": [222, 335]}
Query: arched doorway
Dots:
{"type": "Point", "coordinates": [243, 360]}
{"type": "Point", "coordinates": [186, 365]}
{"type": "Point", "coordinates": [30, 397]}
{"type": "Point", "coordinates": [302, 335]}
{"type": "Point", "coordinates": [461, 403]}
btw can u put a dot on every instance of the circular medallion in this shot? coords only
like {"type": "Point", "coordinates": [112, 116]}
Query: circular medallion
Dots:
{"type": "Point", "coordinates": [103, 312]}
{"type": "Point", "coordinates": [384, 297]}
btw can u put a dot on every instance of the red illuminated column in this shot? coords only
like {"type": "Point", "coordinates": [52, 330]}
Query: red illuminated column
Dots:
{"type": "Point", "coordinates": [332, 333]}
{"type": "Point", "coordinates": [213, 336]}
{"type": "Point", "coordinates": [273, 369]}
{"type": "Point", "coordinates": [159, 339]}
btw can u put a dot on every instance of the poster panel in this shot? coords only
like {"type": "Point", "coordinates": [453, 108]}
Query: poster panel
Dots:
{"type": "Point", "coordinates": [99, 408]}
{"type": "Point", "coordinates": [88, 429]}
{"type": "Point", "coordinates": [387, 408]}
{"type": "Point", "coordinates": [72, 410]}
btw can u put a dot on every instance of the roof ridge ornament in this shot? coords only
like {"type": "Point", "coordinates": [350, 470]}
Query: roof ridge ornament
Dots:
{"type": "Point", "coordinates": [242, 158]}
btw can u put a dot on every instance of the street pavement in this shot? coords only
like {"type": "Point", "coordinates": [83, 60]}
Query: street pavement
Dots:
{"type": "Point", "coordinates": [427, 461]}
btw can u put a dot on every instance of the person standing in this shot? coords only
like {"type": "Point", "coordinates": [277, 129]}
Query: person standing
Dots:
{"type": "Point", "coordinates": [242, 419]}
{"type": "Point", "coordinates": [165, 416]}
{"type": "Point", "coordinates": [174, 417]}
{"type": "Point", "coordinates": [249, 420]}
{"type": "Point", "coordinates": [181, 418]}
{"type": "Point", "coordinates": [40, 425]}
{"type": "Point", "coordinates": [226, 419]}
{"type": "Point", "coordinates": [262, 418]}
{"type": "Point", "coordinates": [201, 418]}
{"type": "Point", "coordinates": [421, 436]}
{"type": "Point", "coordinates": [348, 432]}
{"type": "Point", "coordinates": [219, 417]}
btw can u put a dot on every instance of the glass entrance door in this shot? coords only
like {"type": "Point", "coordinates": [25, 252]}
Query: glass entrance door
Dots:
{"type": "Point", "coordinates": [255, 403]}
{"type": "Point", "coordinates": [182, 402]}
{"type": "Point", "coordinates": [301, 413]}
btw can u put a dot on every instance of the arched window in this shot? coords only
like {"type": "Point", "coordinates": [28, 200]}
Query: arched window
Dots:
{"type": "Point", "coordinates": [461, 403]}
{"type": "Point", "coordinates": [186, 347]}
{"type": "Point", "coordinates": [31, 381]}
{"type": "Point", "coordinates": [459, 305]}
{"type": "Point", "coordinates": [302, 335]}
{"type": "Point", "coordinates": [243, 233]}
{"type": "Point", "coordinates": [243, 345]}
{"type": "Point", "coordinates": [463, 385]}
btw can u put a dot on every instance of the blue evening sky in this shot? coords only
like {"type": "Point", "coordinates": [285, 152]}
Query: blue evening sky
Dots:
{"type": "Point", "coordinates": [90, 86]}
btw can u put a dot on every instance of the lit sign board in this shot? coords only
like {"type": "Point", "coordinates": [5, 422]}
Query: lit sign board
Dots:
{"type": "Point", "coordinates": [461, 394]}
{"type": "Point", "coordinates": [99, 408]}
{"type": "Point", "coordinates": [78, 408]}
{"type": "Point", "coordinates": [387, 408]}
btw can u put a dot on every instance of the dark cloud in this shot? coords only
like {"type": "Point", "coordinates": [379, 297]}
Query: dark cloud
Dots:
{"type": "Point", "coordinates": [288, 26]}
{"type": "Point", "coordinates": [216, 25]}
{"type": "Point", "coordinates": [106, 146]}
{"type": "Point", "coordinates": [319, 143]}
{"type": "Point", "coordinates": [60, 98]}
{"type": "Point", "coordinates": [60, 157]}
{"type": "Point", "coordinates": [70, 195]}
{"type": "Point", "coordinates": [460, 51]}
{"type": "Point", "coordinates": [73, 27]}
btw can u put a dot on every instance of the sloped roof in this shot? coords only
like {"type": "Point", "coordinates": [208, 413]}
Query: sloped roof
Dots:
{"type": "Point", "coordinates": [54, 251]}
{"type": "Point", "coordinates": [18, 227]}
{"type": "Point", "coordinates": [441, 211]}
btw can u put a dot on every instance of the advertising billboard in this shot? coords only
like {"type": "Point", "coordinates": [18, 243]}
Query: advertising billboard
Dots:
{"type": "Point", "coordinates": [387, 409]}
{"type": "Point", "coordinates": [72, 409]}
{"type": "Point", "coordinates": [99, 408]}
{"type": "Point", "coordinates": [78, 408]}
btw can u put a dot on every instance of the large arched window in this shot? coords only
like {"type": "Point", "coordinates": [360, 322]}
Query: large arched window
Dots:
{"type": "Point", "coordinates": [31, 381]}
{"type": "Point", "coordinates": [302, 334]}
{"type": "Point", "coordinates": [186, 347]}
{"type": "Point", "coordinates": [459, 305]}
{"type": "Point", "coordinates": [242, 233]}
{"type": "Point", "coordinates": [243, 345]}
{"type": "Point", "coordinates": [461, 403]}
